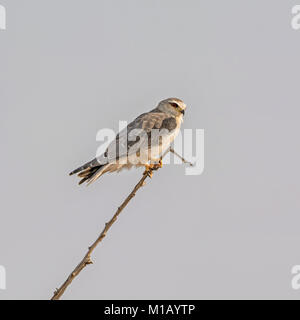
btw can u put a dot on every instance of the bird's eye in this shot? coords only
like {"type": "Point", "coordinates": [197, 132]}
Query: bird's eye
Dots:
{"type": "Point", "coordinates": [173, 104]}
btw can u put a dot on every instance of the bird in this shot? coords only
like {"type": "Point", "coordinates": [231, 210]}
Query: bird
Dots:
{"type": "Point", "coordinates": [141, 143]}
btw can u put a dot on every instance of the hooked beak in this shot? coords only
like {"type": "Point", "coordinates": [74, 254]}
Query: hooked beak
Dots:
{"type": "Point", "coordinates": [182, 111]}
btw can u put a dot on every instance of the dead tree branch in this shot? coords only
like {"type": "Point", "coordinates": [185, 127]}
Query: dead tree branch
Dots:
{"type": "Point", "coordinates": [87, 258]}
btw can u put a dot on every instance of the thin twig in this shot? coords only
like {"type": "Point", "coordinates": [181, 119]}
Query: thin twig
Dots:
{"type": "Point", "coordinates": [87, 258]}
{"type": "Point", "coordinates": [180, 157]}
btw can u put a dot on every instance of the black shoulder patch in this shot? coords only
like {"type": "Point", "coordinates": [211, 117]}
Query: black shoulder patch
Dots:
{"type": "Point", "coordinates": [169, 123]}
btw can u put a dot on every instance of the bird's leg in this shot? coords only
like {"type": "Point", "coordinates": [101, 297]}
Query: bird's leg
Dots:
{"type": "Point", "coordinates": [157, 164]}
{"type": "Point", "coordinates": [148, 170]}
{"type": "Point", "coordinates": [151, 167]}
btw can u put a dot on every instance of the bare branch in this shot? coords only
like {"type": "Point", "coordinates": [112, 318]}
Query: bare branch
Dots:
{"type": "Point", "coordinates": [180, 157]}
{"type": "Point", "coordinates": [87, 258]}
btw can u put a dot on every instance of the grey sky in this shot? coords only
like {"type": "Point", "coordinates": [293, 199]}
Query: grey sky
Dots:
{"type": "Point", "coordinates": [70, 68]}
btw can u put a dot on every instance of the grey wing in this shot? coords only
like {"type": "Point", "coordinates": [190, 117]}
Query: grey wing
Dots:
{"type": "Point", "coordinates": [138, 132]}
{"type": "Point", "coordinates": [128, 137]}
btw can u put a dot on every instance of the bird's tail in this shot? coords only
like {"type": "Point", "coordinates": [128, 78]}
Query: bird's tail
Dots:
{"type": "Point", "coordinates": [89, 174]}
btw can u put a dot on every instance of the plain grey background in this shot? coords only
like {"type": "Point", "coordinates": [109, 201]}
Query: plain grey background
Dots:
{"type": "Point", "coordinates": [70, 68]}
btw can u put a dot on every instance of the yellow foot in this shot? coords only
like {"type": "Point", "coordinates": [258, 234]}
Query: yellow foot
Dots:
{"type": "Point", "coordinates": [152, 167]}
{"type": "Point", "coordinates": [157, 165]}
{"type": "Point", "coordinates": [148, 170]}
{"type": "Point", "coordinates": [160, 163]}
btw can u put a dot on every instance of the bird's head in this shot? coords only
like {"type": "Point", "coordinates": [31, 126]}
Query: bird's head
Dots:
{"type": "Point", "coordinates": [172, 106]}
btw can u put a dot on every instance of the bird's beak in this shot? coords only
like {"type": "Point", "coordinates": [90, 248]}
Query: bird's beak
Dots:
{"type": "Point", "coordinates": [182, 111]}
